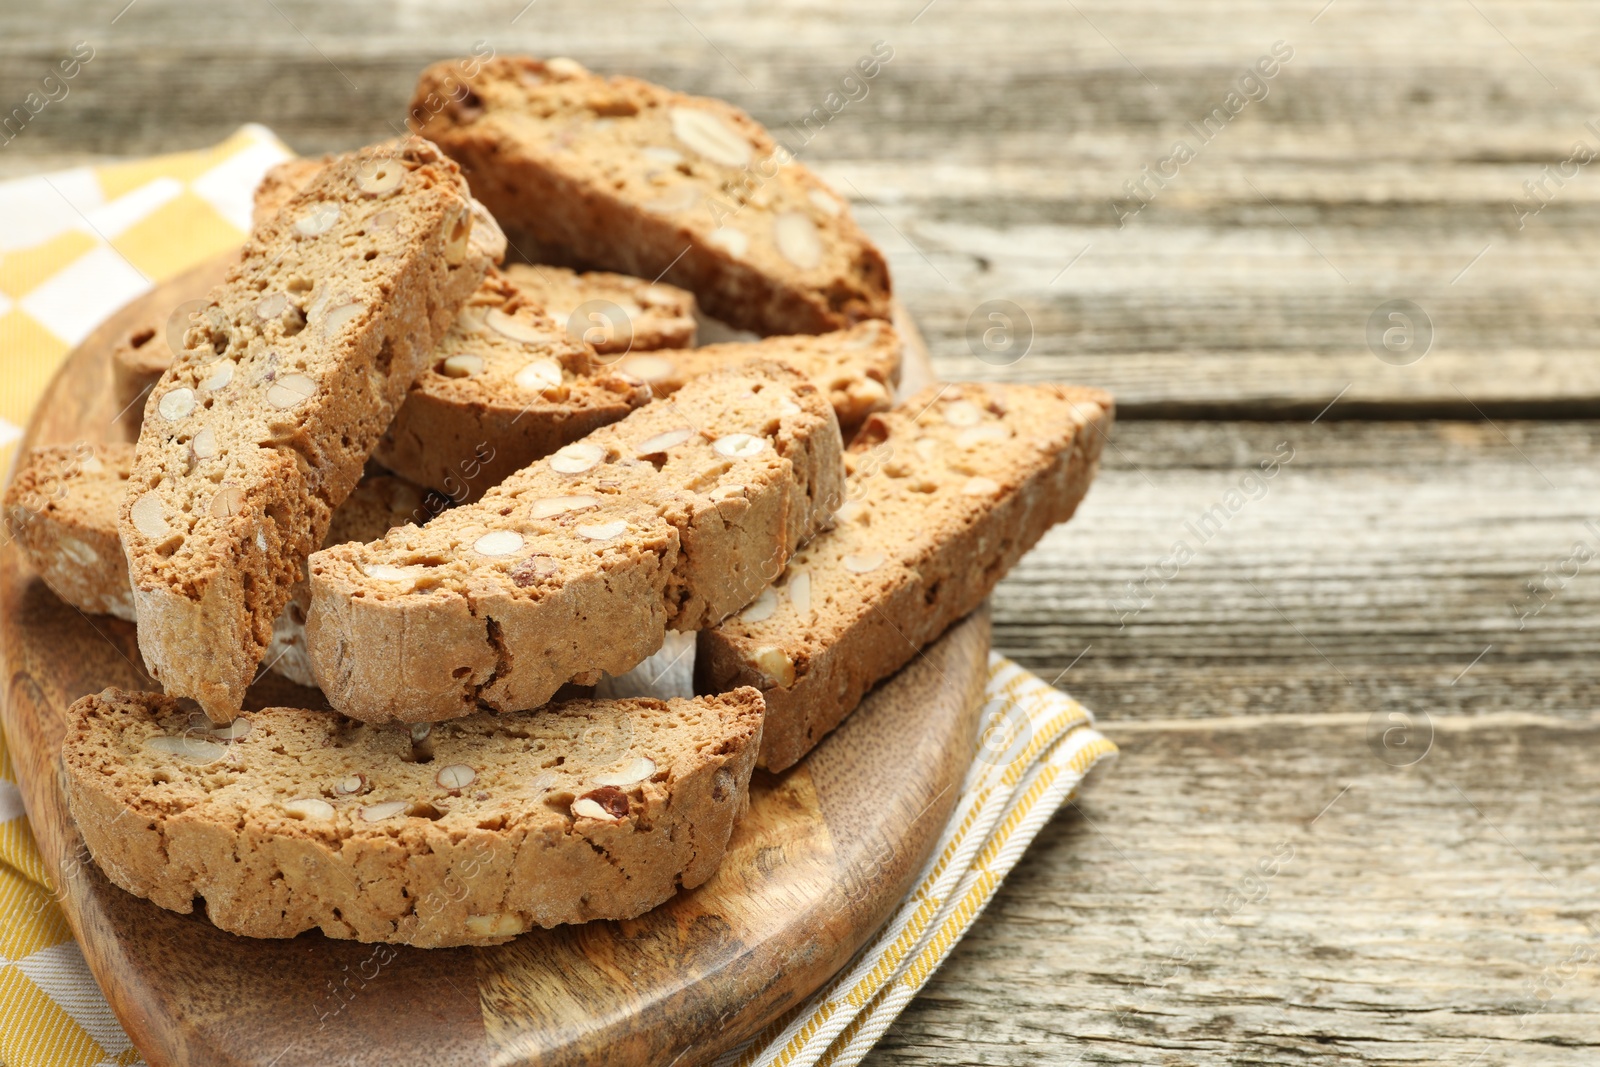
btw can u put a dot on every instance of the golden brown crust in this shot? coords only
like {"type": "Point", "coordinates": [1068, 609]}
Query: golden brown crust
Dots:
{"type": "Point", "coordinates": [677, 515]}
{"type": "Point", "coordinates": [619, 174]}
{"type": "Point", "coordinates": [290, 375]}
{"type": "Point", "coordinates": [945, 494]}
{"type": "Point", "coordinates": [288, 820]}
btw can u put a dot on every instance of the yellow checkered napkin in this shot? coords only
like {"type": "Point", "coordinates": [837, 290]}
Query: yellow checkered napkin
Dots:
{"type": "Point", "coordinates": [77, 245]}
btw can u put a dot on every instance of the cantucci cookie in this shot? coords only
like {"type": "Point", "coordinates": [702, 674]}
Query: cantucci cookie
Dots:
{"type": "Point", "coordinates": [481, 828]}
{"type": "Point", "coordinates": [620, 174]}
{"type": "Point", "coordinates": [619, 313]}
{"type": "Point", "coordinates": [945, 494]}
{"type": "Point", "coordinates": [289, 375]}
{"type": "Point", "coordinates": [141, 353]}
{"type": "Point", "coordinates": [62, 509]}
{"type": "Point", "coordinates": [506, 386]}
{"type": "Point", "coordinates": [677, 515]}
{"type": "Point", "coordinates": [858, 368]}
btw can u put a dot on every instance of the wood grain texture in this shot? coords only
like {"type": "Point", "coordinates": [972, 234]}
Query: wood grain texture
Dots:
{"type": "Point", "coordinates": [1202, 908]}
{"type": "Point", "coordinates": [1384, 163]}
{"type": "Point", "coordinates": [1386, 156]}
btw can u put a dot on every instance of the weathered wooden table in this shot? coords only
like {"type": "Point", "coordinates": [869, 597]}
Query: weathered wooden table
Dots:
{"type": "Point", "coordinates": [1354, 820]}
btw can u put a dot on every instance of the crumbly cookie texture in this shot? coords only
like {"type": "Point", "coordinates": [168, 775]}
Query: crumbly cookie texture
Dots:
{"type": "Point", "coordinates": [62, 509]}
{"type": "Point", "coordinates": [506, 386]}
{"type": "Point", "coordinates": [288, 377]}
{"type": "Point", "coordinates": [944, 495]}
{"type": "Point", "coordinates": [281, 183]}
{"type": "Point", "coordinates": [620, 313]}
{"type": "Point", "coordinates": [620, 174]}
{"type": "Point", "coordinates": [677, 515]}
{"type": "Point", "coordinates": [466, 834]}
{"type": "Point", "coordinates": [143, 352]}
{"type": "Point", "coordinates": [378, 504]}
{"type": "Point", "coordinates": [858, 368]}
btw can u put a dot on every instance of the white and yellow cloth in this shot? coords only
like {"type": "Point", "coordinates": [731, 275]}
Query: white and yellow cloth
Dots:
{"type": "Point", "coordinates": [77, 245]}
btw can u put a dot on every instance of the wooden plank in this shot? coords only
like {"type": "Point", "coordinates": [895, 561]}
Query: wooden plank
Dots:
{"type": "Point", "coordinates": [1197, 910]}
{"type": "Point", "coordinates": [1385, 157]}
{"type": "Point", "coordinates": [1371, 571]}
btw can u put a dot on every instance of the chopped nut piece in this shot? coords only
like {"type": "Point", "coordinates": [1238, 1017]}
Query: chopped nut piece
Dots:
{"type": "Point", "coordinates": [188, 749]}
{"type": "Point", "coordinates": [498, 543]}
{"type": "Point", "coordinates": [576, 458]}
{"type": "Point", "coordinates": [233, 731]}
{"type": "Point", "coordinates": [633, 772]}
{"type": "Point", "coordinates": [308, 808]}
{"type": "Point", "coordinates": [291, 391]}
{"type": "Point", "coordinates": [863, 563]}
{"type": "Point", "coordinates": [539, 375]}
{"type": "Point", "coordinates": [549, 506]}
{"type": "Point", "coordinates": [739, 444]}
{"type": "Point", "coordinates": [710, 137]}
{"type": "Point", "coordinates": [796, 237]}
{"type": "Point", "coordinates": [386, 810]}
{"type": "Point", "coordinates": [515, 329]}
{"type": "Point", "coordinates": [663, 441]}
{"type": "Point", "coordinates": [149, 517]}
{"type": "Point", "coordinates": [604, 531]}
{"type": "Point", "coordinates": [456, 776]}
{"type": "Point", "coordinates": [176, 404]}
{"type": "Point", "coordinates": [461, 365]}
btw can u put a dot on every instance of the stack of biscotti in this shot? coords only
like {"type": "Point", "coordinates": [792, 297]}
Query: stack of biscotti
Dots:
{"type": "Point", "coordinates": [677, 515]}
{"type": "Point", "coordinates": [620, 174]}
{"type": "Point", "coordinates": [62, 507]}
{"type": "Point", "coordinates": [468, 833]}
{"type": "Point", "coordinates": [290, 374]}
{"type": "Point", "coordinates": [944, 495]}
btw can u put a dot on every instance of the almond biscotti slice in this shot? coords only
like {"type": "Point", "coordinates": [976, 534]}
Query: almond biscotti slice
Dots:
{"type": "Point", "coordinates": [482, 828]}
{"type": "Point", "coordinates": [653, 315]}
{"type": "Point", "coordinates": [620, 174]}
{"type": "Point", "coordinates": [679, 514]}
{"type": "Point", "coordinates": [62, 509]}
{"type": "Point", "coordinates": [858, 368]}
{"type": "Point", "coordinates": [289, 376]}
{"type": "Point", "coordinates": [945, 494]}
{"type": "Point", "coordinates": [506, 386]}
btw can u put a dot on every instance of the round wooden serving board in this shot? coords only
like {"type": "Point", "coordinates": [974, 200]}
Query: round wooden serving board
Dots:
{"type": "Point", "coordinates": [827, 851]}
